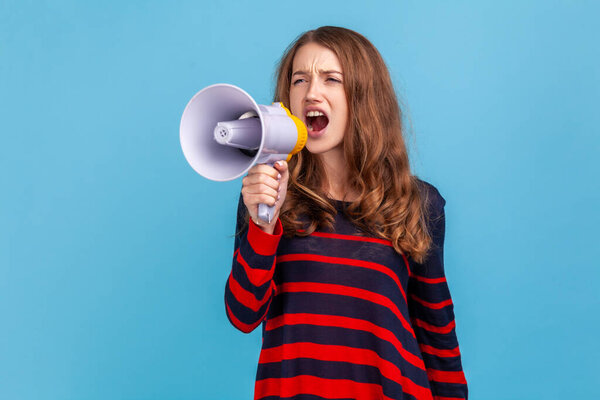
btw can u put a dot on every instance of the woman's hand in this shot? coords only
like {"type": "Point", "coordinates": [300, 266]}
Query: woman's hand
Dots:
{"type": "Point", "coordinates": [265, 185]}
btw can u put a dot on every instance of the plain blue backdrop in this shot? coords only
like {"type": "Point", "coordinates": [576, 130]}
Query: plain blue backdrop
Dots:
{"type": "Point", "coordinates": [114, 253]}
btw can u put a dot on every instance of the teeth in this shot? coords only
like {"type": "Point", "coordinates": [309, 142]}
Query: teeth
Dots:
{"type": "Point", "coordinates": [314, 114]}
{"type": "Point", "coordinates": [310, 127]}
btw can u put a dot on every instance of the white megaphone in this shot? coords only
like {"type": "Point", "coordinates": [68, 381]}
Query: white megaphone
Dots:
{"type": "Point", "coordinates": [223, 133]}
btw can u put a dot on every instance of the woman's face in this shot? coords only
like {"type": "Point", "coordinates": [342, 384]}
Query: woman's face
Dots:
{"type": "Point", "coordinates": [317, 97]}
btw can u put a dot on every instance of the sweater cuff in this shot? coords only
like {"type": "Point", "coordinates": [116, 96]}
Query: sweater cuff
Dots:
{"type": "Point", "coordinates": [263, 243]}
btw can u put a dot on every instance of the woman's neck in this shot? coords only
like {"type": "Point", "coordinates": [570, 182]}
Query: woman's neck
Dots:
{"type": "Point", "coordinates": [336, 175]}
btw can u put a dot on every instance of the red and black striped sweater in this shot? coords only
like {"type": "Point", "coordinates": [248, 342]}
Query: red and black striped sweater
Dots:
{"type": "Point", "coordinates": [344, 316]}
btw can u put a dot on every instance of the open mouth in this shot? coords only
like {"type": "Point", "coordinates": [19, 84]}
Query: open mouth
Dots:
{"type": "Point", "coordinates": [316, 121]}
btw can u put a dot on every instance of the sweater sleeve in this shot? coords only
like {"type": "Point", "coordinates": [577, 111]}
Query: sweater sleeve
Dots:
{"type": "Point", "coordinates": [432, 312]}
{"type": "Point", "coordinates": [250, 285]}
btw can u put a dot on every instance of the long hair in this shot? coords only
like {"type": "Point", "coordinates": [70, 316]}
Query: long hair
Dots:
{"type": "Point", "coordinates": [389, 203]}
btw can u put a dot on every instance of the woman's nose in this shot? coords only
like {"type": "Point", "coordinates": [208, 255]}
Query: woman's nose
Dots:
{"type": "Point", "coordinates": [314, 91]}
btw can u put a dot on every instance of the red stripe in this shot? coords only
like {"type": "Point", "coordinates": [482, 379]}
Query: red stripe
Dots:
{"type": "Point", "coordinates": [455, 352]}
{"type": "Point", "coordinates": [246, 328]}
{"type": "Point", "coordinates": [256, 276]}
{"type": "Point", "coordinates": [343, 354]}
{"type": "Point", "coordinates": [328, 388]}
{"type": "Point", "coordinates": [435, 306]}
{"type": "Point", "coordinates": [349, 323]}
{"type": "Point", "coordinates": [446, 376]}
{"type": "Point", "coordinates": [429, 280]}
{"type": "Point", "coordinates": [433, 328]}
{"type": "Point", "coordinates": [344, 261]}
{"type": "Point", "coordinates": [407, 264]}
{"type": "Point", "coordinates": [360, 239]}
{"type": "Point", "coordinates": [247, 298]}
{"type": "Point", "coordinates": [329, 288]}
{"type": "Point", "coordinates": [261, 242]}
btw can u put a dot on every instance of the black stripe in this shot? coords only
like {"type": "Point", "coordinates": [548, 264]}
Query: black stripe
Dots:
{"type": "Point", "coordinates": [330, 370]}
{"type": "Point", "coordinates": [329, 335]}
{"type": "Point", "coordinates": [346, 306]}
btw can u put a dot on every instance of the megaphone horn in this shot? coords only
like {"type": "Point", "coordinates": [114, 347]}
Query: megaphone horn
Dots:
{"type": "Point", "coordinates": [223, 133]}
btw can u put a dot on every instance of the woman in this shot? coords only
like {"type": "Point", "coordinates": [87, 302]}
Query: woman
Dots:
{"type": "Point", "coordinates": [348, 278]}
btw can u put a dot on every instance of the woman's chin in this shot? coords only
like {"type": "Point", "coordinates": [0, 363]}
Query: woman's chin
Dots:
{"type": "Point", "coordinates": [321, 147]}
{"type": "Point", "coordinates": [315, 148]}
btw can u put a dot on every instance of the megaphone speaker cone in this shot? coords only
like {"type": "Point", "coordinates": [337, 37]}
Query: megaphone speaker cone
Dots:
{"type": "Point", "coordinates": [211, 105]}
{"type": "Point", "coordinates": [221, 143]}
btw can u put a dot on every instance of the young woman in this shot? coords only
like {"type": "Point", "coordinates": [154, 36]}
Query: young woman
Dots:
{"type": "Point", "coordinates": [348, 279]}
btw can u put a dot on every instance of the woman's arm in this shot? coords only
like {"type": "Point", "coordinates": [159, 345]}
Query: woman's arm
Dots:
{"type": "Point", "coordinates": [432, 312]}
{"type": "Point", "coordinates": [250, 285]}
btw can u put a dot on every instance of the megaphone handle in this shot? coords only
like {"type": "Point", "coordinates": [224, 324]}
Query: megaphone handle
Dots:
{"type": "Point", "coordinates": [266, 212]}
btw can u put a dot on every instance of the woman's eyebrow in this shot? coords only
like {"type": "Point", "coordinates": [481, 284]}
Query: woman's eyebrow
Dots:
{"type": "Point", "coordinates": [330, 71]}
{"type": "Point", "coordinates": [326, 71]}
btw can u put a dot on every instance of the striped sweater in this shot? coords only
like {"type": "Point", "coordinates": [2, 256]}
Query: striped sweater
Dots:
{"type": "Point", "coordinates": [344, 316]}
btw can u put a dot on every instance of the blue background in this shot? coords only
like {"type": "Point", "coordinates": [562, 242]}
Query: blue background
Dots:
{"type": "Point", "coordinates": [114, 253]}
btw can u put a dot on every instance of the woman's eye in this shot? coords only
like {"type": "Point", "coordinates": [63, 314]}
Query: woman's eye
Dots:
{"type": "Point", "coordinates": [297, 81]}
{"type": "Point", "coordinates": [334, 80]}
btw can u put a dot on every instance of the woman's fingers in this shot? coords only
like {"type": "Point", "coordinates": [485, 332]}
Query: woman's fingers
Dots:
{"type": "Point", "coordinates": [253, 200]}
{"type": "Point", "coordinates": [282, 168]}
{"type": "Point", "coordinates": [264, 169]}
{"type": "Point", "coordinates": [265, 185]}
{"type": "Point", "coordinates": [260, 189]}
{"type": "Point", "coordinates": [260, 186]}
{"type": "Point", "coordinates": [261, 180]}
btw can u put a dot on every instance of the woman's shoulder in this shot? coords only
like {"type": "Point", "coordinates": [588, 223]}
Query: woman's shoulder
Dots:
{"type": "Point", "coordinates": [430, 192]}
{"type": "Point", "coordinates": [432, 199]}
{"type": "Point", "coordinates": [435, 218]}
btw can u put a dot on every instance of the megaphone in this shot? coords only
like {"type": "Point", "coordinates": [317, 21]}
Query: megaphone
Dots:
{"type": "Point", "coordinates": [223, 133]}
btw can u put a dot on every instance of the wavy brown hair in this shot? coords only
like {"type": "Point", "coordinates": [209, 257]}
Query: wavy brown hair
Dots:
{"type": "Point", "coordinates": [389, 203]}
